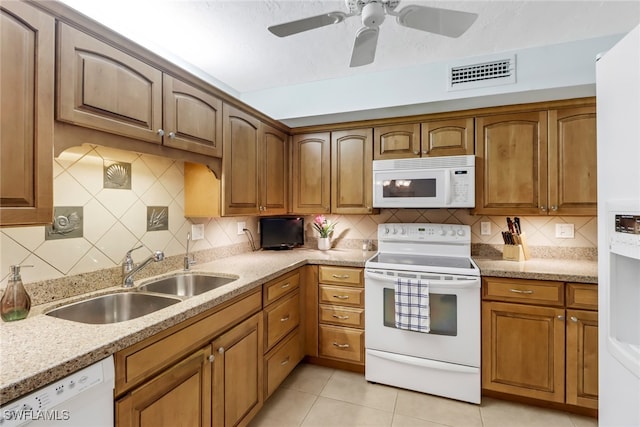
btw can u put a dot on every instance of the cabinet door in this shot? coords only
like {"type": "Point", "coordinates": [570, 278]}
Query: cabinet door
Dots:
{"type": "Point", "coordinates": [179, 396]}
{"type": "Point", "coordinates": [237, 374]}
{"type": "Point", "coordinates": [351, 172]}
{"type": "Point", "coordinates": [582, 358]}
{"type": "Point", "coordinates": [511, 165]}
{"type": "Point", "coordinates": [311, 180]}
{"type": "Point", "coordinates": [523, 350]}
{"type": "Point", "coordinates": [26, 127]}
{"type": "Point", "coordinates": [450, 137]}
{"type": "Point", "coordinates": [274, 177]}
{"type": "Point", "coordinates": [396, 141]}
{"type": "Point", "coordinates": [104, 88]}
{"type": "Point", "coordinates": [240, 162]}
{"type": "Point", "coordinates": [192, 118]}
{"type": "Point", "coordinates": [572, 161]}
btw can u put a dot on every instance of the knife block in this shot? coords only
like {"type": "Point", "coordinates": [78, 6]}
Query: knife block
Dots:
{"type": "Point", "coordinates": [519, 252]}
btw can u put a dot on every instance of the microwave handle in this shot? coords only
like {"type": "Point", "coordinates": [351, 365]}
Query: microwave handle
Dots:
{"type": "Point", "coordinates": [458, 284]}
{"type": "Point", "coordinates": [447, 187]}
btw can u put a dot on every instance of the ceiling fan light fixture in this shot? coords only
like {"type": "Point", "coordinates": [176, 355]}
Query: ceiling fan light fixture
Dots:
{"type": "Point", "coordinates": [372, 14]}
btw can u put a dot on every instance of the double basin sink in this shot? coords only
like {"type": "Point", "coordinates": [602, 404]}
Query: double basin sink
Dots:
{"type": "Point", "coordinates": [146, 299]}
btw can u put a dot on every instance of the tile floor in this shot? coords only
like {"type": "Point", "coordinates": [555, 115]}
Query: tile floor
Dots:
{"type": "Point", "coordinates": [318, 396]}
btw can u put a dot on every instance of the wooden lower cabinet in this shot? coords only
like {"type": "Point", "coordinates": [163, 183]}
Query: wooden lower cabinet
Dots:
{"type": "Point", "coordinates": [179, 396]}
{"type": "Point", "coordinates": [523, 350]}
{"type": "Point", "coordinates": [540, 341]}
{"type": "Point", "coordinates": [237, 374]}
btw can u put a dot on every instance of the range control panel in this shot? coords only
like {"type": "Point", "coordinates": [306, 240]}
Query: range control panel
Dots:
{"type": "Point", "coordinates": [427, 232]}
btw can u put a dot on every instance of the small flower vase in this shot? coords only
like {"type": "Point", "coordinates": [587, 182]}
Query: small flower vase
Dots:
{"type": "Point", "coordinates": [324, 243]}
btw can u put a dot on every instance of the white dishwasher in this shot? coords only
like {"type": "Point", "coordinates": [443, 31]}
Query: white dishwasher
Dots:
{"type": "Point", "coordinates": [83, 399]}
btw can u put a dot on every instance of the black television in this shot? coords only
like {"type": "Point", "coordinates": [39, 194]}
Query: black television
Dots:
{"type": "Point", "coordinates": [281, 232]}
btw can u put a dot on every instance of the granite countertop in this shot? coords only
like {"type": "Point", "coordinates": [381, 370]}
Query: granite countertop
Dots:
{"type": "Point", "coordinates": [42, 349]}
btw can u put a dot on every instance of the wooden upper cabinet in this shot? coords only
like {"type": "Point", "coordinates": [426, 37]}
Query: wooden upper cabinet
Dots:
{"type": "Point", "coordinates": [396, 141]}
{"type": "Point", "coordinates": [26, 128]}
{"type": "Point", "coordinates": [451, 137]}
{"type": "Point", "coordinates": [241, 133]}
{"type": "Point", "coordinates": [104, 88]}
{"type": "Point", "coordinates": [511, 165]}
{"type": "Point", "coordinates": [192, 118]}
{"type": "Point", "coordinates": [572, 161]}
{"type": "Point", "coordinates": [311, 173]}
{"type": "Point", "coordinates": [351, 171]}
{"type": "Point", "coordinates": [274, 177]}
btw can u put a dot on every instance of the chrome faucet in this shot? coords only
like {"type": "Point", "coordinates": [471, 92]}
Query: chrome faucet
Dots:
{"type": "Point", "coordinates": [187, 261]}
{"type": "Point", "coordinates": [129, 268]}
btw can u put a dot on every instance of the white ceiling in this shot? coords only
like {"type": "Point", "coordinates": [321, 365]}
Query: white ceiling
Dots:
{"type": "Point", "coordinates": [228, 39]}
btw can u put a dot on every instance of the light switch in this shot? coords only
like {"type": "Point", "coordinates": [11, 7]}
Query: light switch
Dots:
{"type": "Point", "coordinates": [565, 231]}
{"type": "Point", "coordinates": [197, 231]}
{"type": "Point", "coordinates": [485, 228]}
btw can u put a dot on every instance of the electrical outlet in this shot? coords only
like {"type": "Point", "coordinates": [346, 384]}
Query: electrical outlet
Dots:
{"type": "Point", "coordinates": [241, 226]}
{"type": "Point", "coordinates": [485, 228]}
{"type": "Point", "coordinates": [565, 231]}
{"type": "Point", "coordinates": [197, 231]}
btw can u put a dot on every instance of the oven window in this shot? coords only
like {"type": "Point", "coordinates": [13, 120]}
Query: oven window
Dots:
{"type": "Point", "coordinates": [443, 308]}
{"type": "Point", "coordinates": [409, 188]}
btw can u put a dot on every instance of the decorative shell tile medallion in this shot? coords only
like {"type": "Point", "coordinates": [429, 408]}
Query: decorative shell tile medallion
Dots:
{"type": "Point", "coordinates": [117, 175]}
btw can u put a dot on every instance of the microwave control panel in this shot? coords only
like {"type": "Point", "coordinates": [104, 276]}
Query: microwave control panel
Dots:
{"type": "Point", "coordinates": [462, 185]}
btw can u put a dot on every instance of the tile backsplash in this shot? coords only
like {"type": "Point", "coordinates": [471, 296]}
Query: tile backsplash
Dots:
{"type": "Point", "coordinates": [117, 219]}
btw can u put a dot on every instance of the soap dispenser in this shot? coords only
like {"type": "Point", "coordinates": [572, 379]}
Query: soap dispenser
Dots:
{"type": "Point", "coordinates": [15, 303]}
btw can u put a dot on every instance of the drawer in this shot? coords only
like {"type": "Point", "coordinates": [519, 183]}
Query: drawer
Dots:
{"type": "Point", "coordinates": [341, 295]}
{"type": "Point", "coordinates": [342, 316]}
{"type": "Point", "coordinates": [279, 362]}
{"type": "Point", "coordinates": [580, 295]}
{"type": "Point", "coordinates": [524, 291]}
{"type": "Point", "coordinates": [341, 343]}
{"type": "Point", "coordinates": [280, 286]}
{"type": "Point", "coordinates": [281, 318]}
{"type": "Point", "coordinates": [341, 275]}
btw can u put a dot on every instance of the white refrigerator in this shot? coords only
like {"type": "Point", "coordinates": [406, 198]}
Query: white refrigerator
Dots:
{"type": "Point", "coordinates": [618, 121]}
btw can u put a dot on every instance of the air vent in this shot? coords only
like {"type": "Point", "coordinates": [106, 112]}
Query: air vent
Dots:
{"type": "Point", "coordinates": [487, 73]}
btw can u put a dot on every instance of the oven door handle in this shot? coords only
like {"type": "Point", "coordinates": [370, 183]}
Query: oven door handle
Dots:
{"type": "Point", "coordinates": [449, 284]}
{"type": "Point", "coordinates": [423, 363]}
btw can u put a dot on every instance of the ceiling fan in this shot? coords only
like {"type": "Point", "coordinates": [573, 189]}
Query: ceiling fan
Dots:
{"type": "Point", "coordinates": [447, 22]}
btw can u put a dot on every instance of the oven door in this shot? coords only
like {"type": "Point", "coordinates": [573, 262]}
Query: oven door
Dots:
{"type": "Point", "coordinates": [454, 311]}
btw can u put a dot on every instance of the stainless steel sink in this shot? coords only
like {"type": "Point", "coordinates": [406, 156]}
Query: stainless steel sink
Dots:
{"type": "Point", "coordinates": [187, 284]}
{"type": "Point", "coordinates": [113, 308]}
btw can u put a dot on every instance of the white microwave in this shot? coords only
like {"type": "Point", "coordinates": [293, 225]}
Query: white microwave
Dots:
{"type": "Point", "coordinates": [426, 182]}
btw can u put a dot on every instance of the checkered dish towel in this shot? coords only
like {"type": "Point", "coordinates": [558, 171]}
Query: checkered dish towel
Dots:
{"type": "Point", "coordinates": [412, 305]}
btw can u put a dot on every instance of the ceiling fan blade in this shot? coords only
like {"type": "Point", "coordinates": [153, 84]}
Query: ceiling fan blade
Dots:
{"type": "Point", "coordinates": [305, 24]}
{"type": "Point", "coordinates": [364, 47]}
{"type": "Point", "coordinates": [447, 22]}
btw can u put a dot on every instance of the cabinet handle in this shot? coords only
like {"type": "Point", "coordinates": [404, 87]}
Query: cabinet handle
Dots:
{"type": "Point", "coordinates": [543, 208]}
{"type": "Point", "coordinates": [160, 132]}
{"type": "Point", "coordinates": [340, 276]}
{"type": "Point", "coordinates": [416, 152]}
{"type": "Point", "coordinates": [519, 291]}
{"type": "Point", "coordinates": [172, 135]}
{"type": "Point", "coordinates": [341, 296]}
{"type": "Point", "coordinates": [560, 317]}
{"type": "Point", "coordinates": [335, 344]}
{"type": "Point", "coordinates": [285, 361]}
{"type": "Point", "coordinates": [425, 152]}
{"type": "Point", "coordinates": [554, 208]}
{"type": "Point", "coordinates": [211, 358]}
{"type": "Point", "coordinates": [221, 350]}
{"type": "Point", "coordinates": [285, 286]}
{"type": "Point", "coordinates": [340, 317]}
{"type": "Point", "coordinates": [285, 318]}
{"type": "Point", "coordinates": [574, 319]}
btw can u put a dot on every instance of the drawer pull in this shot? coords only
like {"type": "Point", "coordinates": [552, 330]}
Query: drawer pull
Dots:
{"type": "Point", "coordinates": [340, 317]}
{"type": "Point", "coordinates": [341, 296]}
{"type": "Point", "coordinates": [285, 361]}
{"type": "Point", "coordinates": [285, 286]}
{"type": "Point", "coordinates": [518, 291]}
{"type": "Point", "coordinates": [340, 276]}
{"type": "Point", "coordinates": [285, 318]}
{"type": "Point", "coordinates": [335, 344]}
{"type": "Point", "coordinates": [574, 319]}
